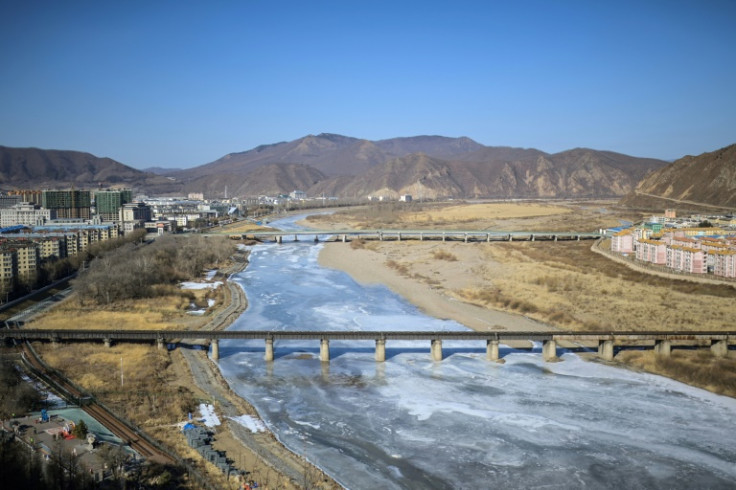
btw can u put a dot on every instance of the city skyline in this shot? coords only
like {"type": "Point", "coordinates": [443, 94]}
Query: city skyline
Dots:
{"type": "Point", "coordinates": [180, 85]}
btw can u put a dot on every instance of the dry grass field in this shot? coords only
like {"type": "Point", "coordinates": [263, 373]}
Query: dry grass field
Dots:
{"type": "Point", "coordinates": [140, 382]}
{"type": "Point", "coordinates": [167, 312]}
{"type": "Point", "coordinates": [569, 286]}
{"type": "Point", "coordinates": [501, 215]}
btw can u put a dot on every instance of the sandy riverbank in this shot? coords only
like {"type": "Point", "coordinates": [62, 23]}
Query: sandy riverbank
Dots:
{"type": "Point", "coordinates": [430, 289]}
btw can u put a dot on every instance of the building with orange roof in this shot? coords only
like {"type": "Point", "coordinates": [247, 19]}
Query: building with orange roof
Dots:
{"type": "Point", "coordinates": [653, 251]}
{"type": "Point", "coordinates": [623, 242]}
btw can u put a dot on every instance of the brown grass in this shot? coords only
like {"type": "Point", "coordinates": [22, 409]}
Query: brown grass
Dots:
{"type": "Point", "coordinates": [149, 393]}
{"type": "Point", "coordinates": [695, 367]}
{"type": "Point", "coordinates": [572, 287]}
{"type": "Point", "coordinates": [444, 255]}
{"type": "Point", "coordinates": [532, 216]}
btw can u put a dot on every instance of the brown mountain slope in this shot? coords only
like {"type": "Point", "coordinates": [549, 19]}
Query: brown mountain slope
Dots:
{"type": "Point", "coordinates": [331, 154]}
{"type": "Point", "coordinates": [575, 173]}
{"type": "Point", "coordinates": [709, 178]}
{"type": "Point", "coordinates": [33, 167]}
{"type": "Point", "coordinates": [431, 166]}
{"type": "Point", "coordinates": [270, 180]}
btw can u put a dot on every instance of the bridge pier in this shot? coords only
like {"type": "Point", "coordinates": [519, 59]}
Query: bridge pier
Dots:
{"type": "Point", "coordinates": [380, 236]}
{"type": "Point", "coordinates": [399, 235]}
{"type": "Point", "coordinates": [269, 350]}
{"type": "Point", "coordinates": [663, 347]}
{"type": "Point", "coordinates": [605, 349]}
{"type": "Point", "coordinates": [531, 238]}
{"type": "Point", "coordinates": [344, 238]}
{"type": "Point", "coordinates": [488, 237]}
{"type": "Point", "coordinates": [296, 237]}
{"type": "Point", "coordinates": [316, 238]}
{"type": "Point", "coordinates": [511, 238]}
{"type": "Point", "coordinates": [160, 343]}
{"type": "Point", "coordinates": [443, 236]}
{"type": "Point", "coordinates": [492, 350]}
{"type": "Point", "coordinates": [466, 238]}
{"type": "Point", "coordinates": [324, 350]}
{"type": "Point", "coordinates": [215, 350]}
{"type": "Point", "coordinates": [549, 350]}
{"type": "Point", "coordinates": [107, 341]}
{"type": "Point", "coordinates": [380, 350]}
{"type": "Point", "coordinates": [719, 348]}
{"type": "Point", "coordinates": [279, 239]}
{"type": "Point", "coordinates": [436, 349]}
{"type": "Point", "coordinates": [421, 237]}
{"type": "Point", "coordinates": [555, 238]}
{"type": "Point", "coordinates": [577, 237]}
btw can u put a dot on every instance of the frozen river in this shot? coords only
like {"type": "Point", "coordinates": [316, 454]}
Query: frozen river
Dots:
{"type": "Point", "coordinates": [463, 422]}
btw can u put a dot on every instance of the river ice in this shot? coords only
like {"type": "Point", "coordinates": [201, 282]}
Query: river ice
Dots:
{"type": "Point", "coordinates": [463, 422]}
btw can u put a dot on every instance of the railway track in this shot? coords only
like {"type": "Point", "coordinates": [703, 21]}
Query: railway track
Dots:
{"type": "Point", "coordinates": [121, 429]}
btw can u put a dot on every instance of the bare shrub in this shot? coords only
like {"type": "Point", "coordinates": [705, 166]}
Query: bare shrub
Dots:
{"type": "Point", "coordinates": [444, 255]}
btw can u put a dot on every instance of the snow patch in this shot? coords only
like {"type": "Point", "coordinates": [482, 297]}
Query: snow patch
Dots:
{"type": "Point", "coordinates": [200, 285]}
{"type": "Point", "coordinates": [251, 423]}
{"type": "Point", "coordinates": [208, 415]}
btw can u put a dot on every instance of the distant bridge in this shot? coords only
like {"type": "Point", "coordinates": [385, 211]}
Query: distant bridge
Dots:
{"type": "Point", "coordinates": [661, 341]}
{"type": "Point", "coordinates": [399, 235]}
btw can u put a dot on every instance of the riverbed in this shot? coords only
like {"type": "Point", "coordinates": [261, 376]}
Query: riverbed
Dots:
{"type": "Point", "coordinates": [463, 422]}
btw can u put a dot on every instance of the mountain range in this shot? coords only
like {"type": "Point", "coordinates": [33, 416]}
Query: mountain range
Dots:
{"type": "Point", "coordinates": [334, 165]}
{"type": "Point", "coordinates": [709, 178]}
{"type": "Point", "coordinates": [423, 166]}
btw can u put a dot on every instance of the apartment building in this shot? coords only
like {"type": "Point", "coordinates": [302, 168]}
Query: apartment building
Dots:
{"type": "Point", "coordinates": [686, 259]}
{"type": "Point", "coordinates": [623, 242]}
{"type": "Point", "coordinates": [724, 263]}
{"type": "Point", "coordinates": [652, 251]}
{"type": "Point", "coordinates": [69, 204]}
{"type": "Point", "coordinates": [6, 270]}
{"type": "Point", "coordinates": [108, 204]}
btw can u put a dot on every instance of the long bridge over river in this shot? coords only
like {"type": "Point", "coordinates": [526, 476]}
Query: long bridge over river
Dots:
{"type": "Point", "coordinates": [661, 341]}
{"type": "Point", "coordinates": [399, 235]}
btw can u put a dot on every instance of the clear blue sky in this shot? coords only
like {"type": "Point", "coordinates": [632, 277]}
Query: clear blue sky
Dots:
{"type": "Point", "coordinates": [179, 84]}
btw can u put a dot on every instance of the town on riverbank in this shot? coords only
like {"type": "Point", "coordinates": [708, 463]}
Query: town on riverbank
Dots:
{"type": "Point", "coordinates": [559, 283]}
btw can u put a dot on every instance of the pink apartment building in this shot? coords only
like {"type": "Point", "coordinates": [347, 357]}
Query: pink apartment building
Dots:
{"type": "Point", "coordinates": [652, 251]}
{"type": "Point", "coordinates": [622, 242]}
{"type": "Point", "coordinates": [724, 263]}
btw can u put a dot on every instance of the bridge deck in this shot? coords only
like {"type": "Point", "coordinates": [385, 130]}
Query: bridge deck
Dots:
{"type": "Point", "coordinates": [157, 335]}
{"type": "Point", "coordinates": [475, 235]}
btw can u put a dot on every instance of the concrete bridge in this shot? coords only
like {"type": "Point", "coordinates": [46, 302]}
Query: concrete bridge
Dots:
{"type": "Point", "coordinates": [399, 235]}
{"type": "Point", "coordinates": [662, 342]}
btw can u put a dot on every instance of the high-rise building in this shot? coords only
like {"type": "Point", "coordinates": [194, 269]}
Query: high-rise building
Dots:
{"type": "Point", "coordinates": [108, 203]}
{"type": "Point", "coordinates": [69, 204]}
